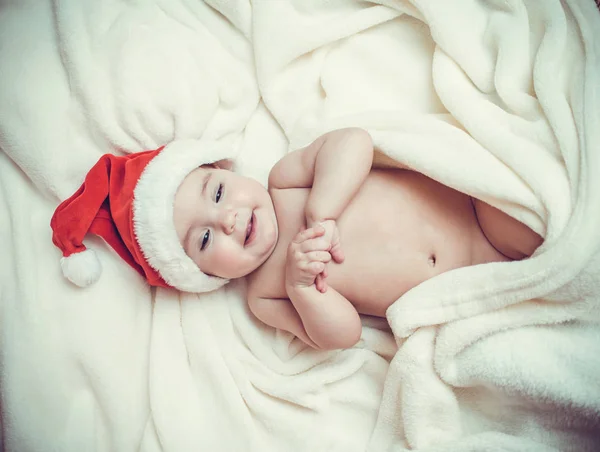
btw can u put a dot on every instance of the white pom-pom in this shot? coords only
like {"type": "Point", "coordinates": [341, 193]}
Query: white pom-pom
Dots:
{"type": "Point", "coordinates": [82, 269]}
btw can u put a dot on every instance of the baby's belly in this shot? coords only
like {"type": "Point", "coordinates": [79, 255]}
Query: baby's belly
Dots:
{"type": "Point", "coordinates": [401, 229]}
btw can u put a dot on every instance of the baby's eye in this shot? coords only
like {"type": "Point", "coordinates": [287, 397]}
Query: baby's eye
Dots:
{"type": "Point", "coordinates": [219, 193]}
{"type": "Point", "coordinates": [205, 239]}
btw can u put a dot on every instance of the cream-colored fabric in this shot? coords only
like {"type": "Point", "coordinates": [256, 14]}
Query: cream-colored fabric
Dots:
{"type": "Point", "coordinates": [495, 98]}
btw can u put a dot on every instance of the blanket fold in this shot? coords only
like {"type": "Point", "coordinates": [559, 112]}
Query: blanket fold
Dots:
{"type": "Point", "coordinates": [497, 99]}
{"type": "Point", "coordinates": [515, 78]}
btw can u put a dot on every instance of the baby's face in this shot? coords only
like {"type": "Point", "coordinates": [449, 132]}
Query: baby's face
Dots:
{"type": "Point", "coordinates": [225, 222]}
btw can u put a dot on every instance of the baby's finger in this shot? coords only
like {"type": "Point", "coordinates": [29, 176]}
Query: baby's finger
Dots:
{"type": "Point", "coordinates": [315, 244]}
{"type": "Point", "coordinates": [337, 254]}
{"type": "Point", "coordinates": [310, 233]}
{"type": "Point", "coordinates": [320, 283]}
{"type": "Point", "coordinates": [318, 256]}
{"type": "Point", "coordinates": [314, 267]}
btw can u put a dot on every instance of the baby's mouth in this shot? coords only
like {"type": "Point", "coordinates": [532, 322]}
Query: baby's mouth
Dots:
{"type": "Point", "coordinates": [249, 230]}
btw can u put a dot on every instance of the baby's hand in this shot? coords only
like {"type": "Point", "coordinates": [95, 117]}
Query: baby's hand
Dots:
{"type": "Point", "coordinates": [332, 236]}
{"type": "Point", "coordinates": [306, 257]}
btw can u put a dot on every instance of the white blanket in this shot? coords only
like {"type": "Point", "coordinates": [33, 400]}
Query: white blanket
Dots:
{"type": "Point", "coordinates": [498, 99]}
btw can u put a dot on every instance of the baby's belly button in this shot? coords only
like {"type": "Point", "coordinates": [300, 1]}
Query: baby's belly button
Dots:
{"type": "Point", "coordinates": [448, 257]}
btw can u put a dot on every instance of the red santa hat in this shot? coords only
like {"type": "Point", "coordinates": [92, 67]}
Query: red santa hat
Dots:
{"type": "Point", "coordinates": [128, 201]}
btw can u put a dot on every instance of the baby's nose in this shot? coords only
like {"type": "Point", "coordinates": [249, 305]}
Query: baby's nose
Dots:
{"type": "Point", "coordinates": [228, 219]}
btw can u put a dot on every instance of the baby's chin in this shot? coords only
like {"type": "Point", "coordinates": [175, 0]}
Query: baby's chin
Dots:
{"type": "Point", "coordinates": [245, 270]}
{"type": "Point", "coordinates": [259, 262]}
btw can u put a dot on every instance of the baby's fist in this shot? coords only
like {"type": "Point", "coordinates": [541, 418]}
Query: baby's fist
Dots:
{"type": "Point", "coordinates": [332, 235]}
{"type": "Point", "coordinates": [306, 257]}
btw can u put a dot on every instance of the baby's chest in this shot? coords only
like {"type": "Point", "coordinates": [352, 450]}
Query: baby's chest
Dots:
{"type": "Point", "coordinates": [289, 205]}
{"type": "Point", "coordinates": [389, 233]}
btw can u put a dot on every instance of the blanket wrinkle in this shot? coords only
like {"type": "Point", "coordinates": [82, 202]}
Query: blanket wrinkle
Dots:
{"type": "Point", "coordinates": [112, 74]}
{"type": "Point", "coordinates": [497, 99]}
{"type": "Point", "coordinates": [298, 375]}
{"type": "Point", "coordinates": [511, 101]}
{"type": "Point", "coordinates": [239, 14]}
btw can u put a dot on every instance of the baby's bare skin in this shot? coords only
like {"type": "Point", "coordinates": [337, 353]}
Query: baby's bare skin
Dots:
{"type": "Point", "coordinates": [334, 237]}
{"type": "Point", "coordinates": [396, 229]}
{"type": "Point", "coordinates": [401, 229]}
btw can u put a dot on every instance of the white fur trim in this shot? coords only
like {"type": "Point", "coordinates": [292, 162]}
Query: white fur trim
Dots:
{"type": "Point", "coordinates": [153, 201]}
{"type": "Point", "coordinates": [82, 269]}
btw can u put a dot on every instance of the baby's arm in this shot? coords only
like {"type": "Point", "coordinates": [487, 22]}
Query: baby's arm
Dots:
{"type": "Point", "coordinates": [279, 313]}
{"type": "Point", "coordinates": [335, 165]}
{"type": "Point", "coordinates": [323, 321]}
{"type": "Point", "coordinates": [329, 319]}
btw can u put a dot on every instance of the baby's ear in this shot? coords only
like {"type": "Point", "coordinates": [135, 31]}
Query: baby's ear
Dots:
{"type": "Point", "coordinates": [225, 164]}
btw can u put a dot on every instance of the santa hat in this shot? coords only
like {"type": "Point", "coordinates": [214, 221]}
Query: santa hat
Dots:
{"type": "Point", "coordinates": [128, 201]}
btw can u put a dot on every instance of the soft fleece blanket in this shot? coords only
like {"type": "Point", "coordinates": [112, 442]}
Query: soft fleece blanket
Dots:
{"type": "Point", "coordinates": [498, 99]}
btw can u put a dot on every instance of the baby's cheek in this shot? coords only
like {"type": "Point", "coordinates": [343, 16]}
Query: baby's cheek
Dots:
{"type": "Point", "coordinates": [231, 263]}
{"type": "Point", "coordinates": [231, 260]}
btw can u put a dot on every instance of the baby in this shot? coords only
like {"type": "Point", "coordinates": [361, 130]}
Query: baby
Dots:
{"type": "Point", "coordinates": [333, 238]}
{"type": "Point", "coordinates": [330, 239]}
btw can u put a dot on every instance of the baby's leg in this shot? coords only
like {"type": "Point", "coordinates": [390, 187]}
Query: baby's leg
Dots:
{"type": "Point", "coordinates": [509, 236]}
